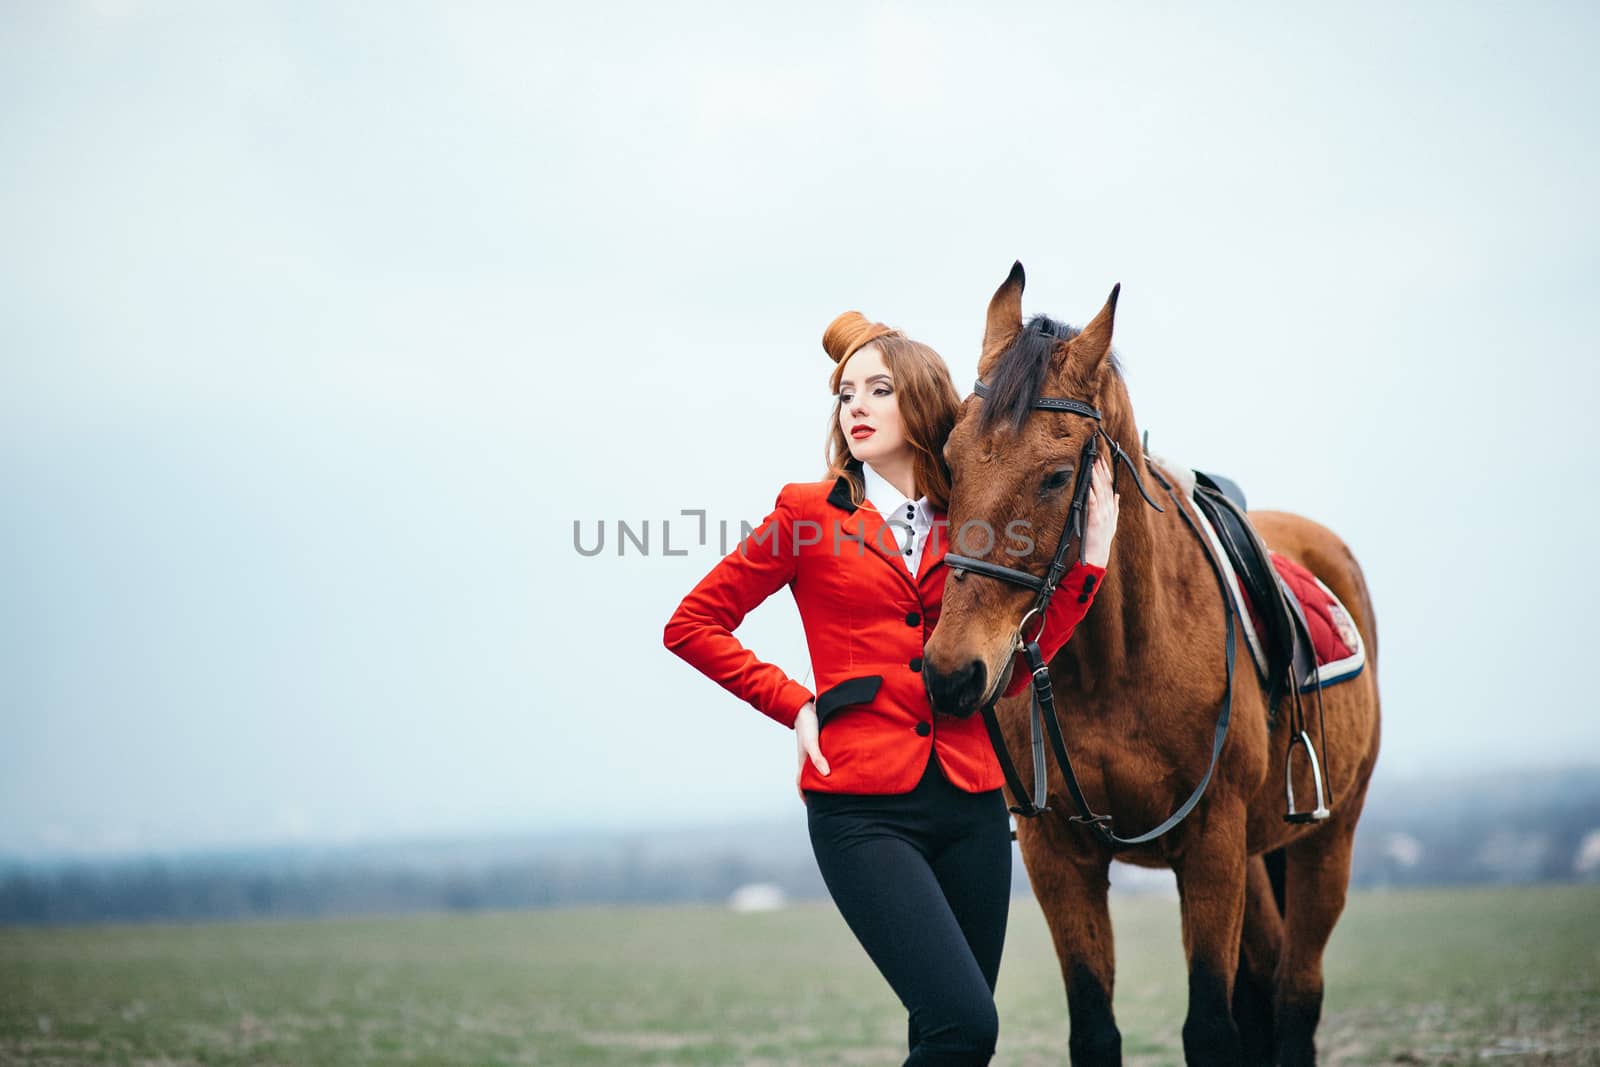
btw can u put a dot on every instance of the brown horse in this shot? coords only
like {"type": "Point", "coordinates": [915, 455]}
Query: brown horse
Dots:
{"type": "Point", "coordinates": [1138, 690]}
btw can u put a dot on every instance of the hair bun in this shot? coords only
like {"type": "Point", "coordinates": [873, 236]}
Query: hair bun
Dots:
{"type": "Point", "coordinates": [849, 332]}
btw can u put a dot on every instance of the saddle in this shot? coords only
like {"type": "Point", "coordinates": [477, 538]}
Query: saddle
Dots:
{"type": "Point", "coordinates": [1281, 640]}
{"type": "Point", "coordinates": [1286, 655]}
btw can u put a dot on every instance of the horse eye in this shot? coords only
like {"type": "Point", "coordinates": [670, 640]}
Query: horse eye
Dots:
{"type": "Point", "coordinates": [1055, 480]}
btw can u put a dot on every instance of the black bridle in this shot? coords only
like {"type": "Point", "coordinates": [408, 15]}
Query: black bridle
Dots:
{"type": "Point", "coordinates": [1043, 701]}
{"type": "Point", "coordinates": [1044, 588]}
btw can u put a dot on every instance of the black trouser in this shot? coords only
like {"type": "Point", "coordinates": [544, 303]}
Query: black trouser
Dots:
{"type": "Point", "coordinates": [924, 881]}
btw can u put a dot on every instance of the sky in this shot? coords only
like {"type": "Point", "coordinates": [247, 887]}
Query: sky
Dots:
{"type": "Point", "coordinates": [321, 325]}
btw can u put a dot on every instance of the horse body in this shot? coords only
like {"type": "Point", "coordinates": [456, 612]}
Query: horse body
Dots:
{"type": "Point", "coordinates": [1139, 688]}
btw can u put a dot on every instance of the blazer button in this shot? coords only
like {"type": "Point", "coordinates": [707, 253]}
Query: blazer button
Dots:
{"type": "Point", "coordinates": [913, 619]}
{"type": "Point", "coordinates": [1083, 598]}
{"type": "Point", "coordinates": [916, 664]}
{"type": "Point", "coordinates": [1088, 582]}
{"type": "Point", "coordinates": [923, 729]}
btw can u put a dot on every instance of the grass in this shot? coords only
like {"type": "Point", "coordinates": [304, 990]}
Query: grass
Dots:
{"type": "Point", "coordinates": [1436, 977]}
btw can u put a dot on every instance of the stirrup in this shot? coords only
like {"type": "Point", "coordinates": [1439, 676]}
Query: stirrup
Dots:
{"type": "Point", "coordinates": [1321, 811]}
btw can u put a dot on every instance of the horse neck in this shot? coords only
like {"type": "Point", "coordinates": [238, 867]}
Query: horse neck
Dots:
{"type": "Point", "coordinates": [1139, 601]}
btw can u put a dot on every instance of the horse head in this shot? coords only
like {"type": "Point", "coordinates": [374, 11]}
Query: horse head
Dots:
{"type": "Point", "coordinates": [1014, 480]}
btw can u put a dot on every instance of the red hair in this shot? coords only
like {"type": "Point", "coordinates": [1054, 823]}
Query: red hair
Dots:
{"type": "Point", "coordinates": [924, 391]}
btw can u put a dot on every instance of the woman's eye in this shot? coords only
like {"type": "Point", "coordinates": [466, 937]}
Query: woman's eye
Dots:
{"type": "Point", "coordinates": [882, 390]}
{"type": "Point", "coordinates": [845, 398]}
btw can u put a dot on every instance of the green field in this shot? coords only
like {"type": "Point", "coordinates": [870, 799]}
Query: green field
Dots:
{"type": "Point", "coordinates": [1501, 976]}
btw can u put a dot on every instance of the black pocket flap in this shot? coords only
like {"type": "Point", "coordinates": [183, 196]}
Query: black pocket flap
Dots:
{"type": "Point", "coordinates": [850, 691]}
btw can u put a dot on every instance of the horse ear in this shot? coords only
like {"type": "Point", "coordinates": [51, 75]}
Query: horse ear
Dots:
{"type": "Point", "coordinates": [1091, 347]}
{"type": "Point", "coordinates": [1005, 318]}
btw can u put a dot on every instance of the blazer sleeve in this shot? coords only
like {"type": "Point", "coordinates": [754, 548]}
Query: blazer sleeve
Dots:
{"type": "Point", "coordinates": [700, 631]}
{"type": "Point", "coordinates": [1072, 600]}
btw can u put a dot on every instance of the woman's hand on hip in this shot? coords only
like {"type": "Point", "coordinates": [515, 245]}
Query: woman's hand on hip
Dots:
{"type": "Point", "coordinates": [806, 743]}
{"type": "Point", "coordinates": [1100, 525]}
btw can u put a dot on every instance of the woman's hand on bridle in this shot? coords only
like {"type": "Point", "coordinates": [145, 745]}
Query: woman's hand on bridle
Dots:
{"type": "Point", "coordinates": [1100, 524]}
{"type": "Point", "coordinates": [806, 743]}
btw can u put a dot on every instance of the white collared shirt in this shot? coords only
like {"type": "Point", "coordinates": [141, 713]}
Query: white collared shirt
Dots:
{"type": "Point", "coordinates": [905, 518]}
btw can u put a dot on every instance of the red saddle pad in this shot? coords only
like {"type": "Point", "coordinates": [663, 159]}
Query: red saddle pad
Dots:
{"type": "Point", "coordinates": [1339, 649]}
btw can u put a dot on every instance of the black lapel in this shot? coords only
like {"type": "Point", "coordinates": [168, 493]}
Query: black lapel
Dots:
{"type": "Point", "coordinates": [839, 495]}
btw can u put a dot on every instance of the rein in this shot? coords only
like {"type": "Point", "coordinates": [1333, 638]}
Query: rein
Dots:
{"type": "Point", "coordinates": [1043, 707]}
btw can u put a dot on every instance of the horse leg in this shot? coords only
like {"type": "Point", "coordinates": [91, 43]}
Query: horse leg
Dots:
{"type": "Point", "coordinates": [1070, 883]}
{"type": "Point", "coordinates": [1318, 874]}
{"type": "Point", "coordinates": [1259, 950]}
{"type": "Point", "coordinates": [1211, 891]}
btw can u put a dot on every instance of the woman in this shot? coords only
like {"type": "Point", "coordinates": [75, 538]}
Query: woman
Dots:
{"type": "Point", "coordinates": [906, 813]}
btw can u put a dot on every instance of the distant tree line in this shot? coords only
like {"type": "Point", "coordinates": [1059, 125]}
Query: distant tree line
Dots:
{"type": "Point", "coordinates": [1503, 831]}
{"type": "Point", "coordinates": [192, 889]}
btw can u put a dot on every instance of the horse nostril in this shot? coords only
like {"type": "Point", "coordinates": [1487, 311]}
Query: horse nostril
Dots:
{"type": "Point", "coordinates": [958, 692]}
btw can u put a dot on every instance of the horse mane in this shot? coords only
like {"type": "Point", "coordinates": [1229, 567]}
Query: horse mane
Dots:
{"type": "Point", "coordinates": [1020, 371]}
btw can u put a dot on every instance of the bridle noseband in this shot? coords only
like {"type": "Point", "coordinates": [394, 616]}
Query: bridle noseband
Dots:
{"type": "Point", "coordinates": [1043, 698]}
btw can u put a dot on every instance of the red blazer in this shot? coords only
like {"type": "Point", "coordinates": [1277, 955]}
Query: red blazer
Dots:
{"type": "Point", "coordinates": [865, 620]}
